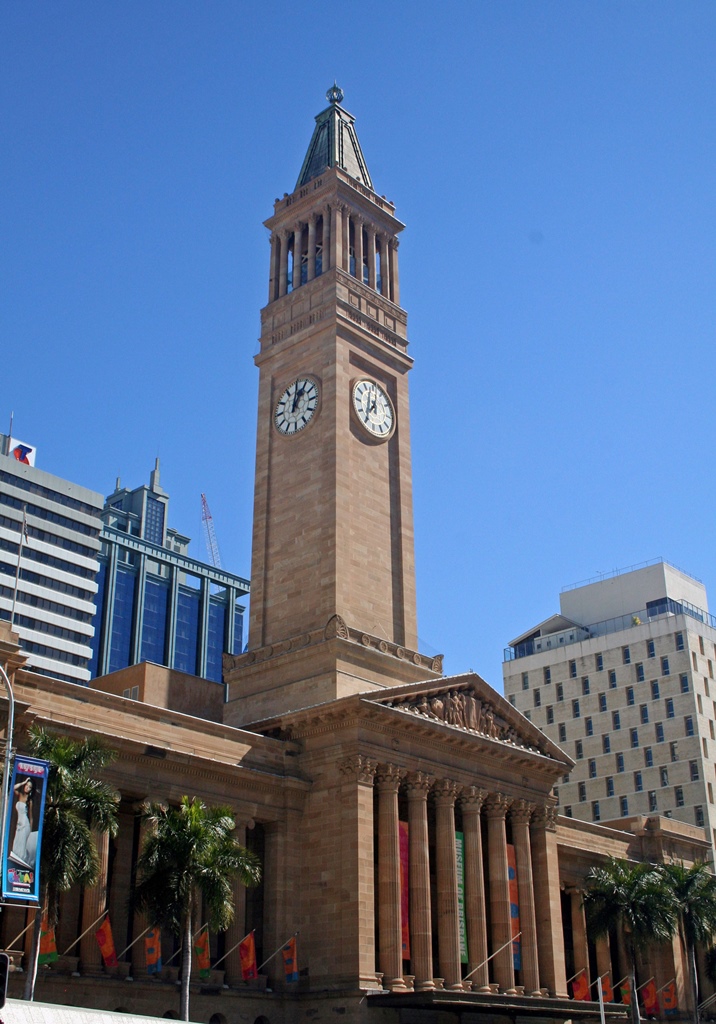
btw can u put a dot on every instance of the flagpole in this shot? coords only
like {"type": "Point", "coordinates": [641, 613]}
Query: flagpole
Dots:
{"type": "Point", "coordinates": [134, 941]}
{"type": "Point", "coordinates": [601, 1000]}
{"type": "Point", "coordinates": [275, 951]}
{"type": "Point", "coordinates": [582, 970]}
{"type": "Point", "coordinates": [103, 914]}
{"type": "Point", "coordinates": [640, 987]}
{"type": "Point", "coordinates": [24, 930]}
{"type": "Point", "coordinates": [492, 955]}
{"type": "Point", "coordinates": [201, 929]}
{"type": "Point", "coordinates": [665, 986]}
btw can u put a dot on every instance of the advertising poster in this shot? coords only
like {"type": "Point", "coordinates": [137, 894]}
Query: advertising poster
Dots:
{"type": "Point", "coordinates": [23, 838]}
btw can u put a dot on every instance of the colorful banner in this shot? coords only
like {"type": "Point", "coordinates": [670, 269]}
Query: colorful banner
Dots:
{"type": "Point", "coordinates": [247, 956]}
{"type": "Point", "coordinates": [625, 991]}
{"type": "Point", "coordinates": [48, 947]}
{"type": "Point", "coordinates": [514, 907]}
{"type": "Point", "coordinates": [461, 919]}
{"type": "Point", "coordinates": [290, 960]}
{"type": "Point", "coordinates": [106, 943]}
{"type": "Point", "coordinates": [670, 999]}
{"type": "Point", "coordinates": [580, 986]}
{"type": "Point", "coordinates": [607, 990]}
{"type": "Point", "coordinates": [403, 835]}
{"type": "Point", "coordinates": [23, 837]}
{"type": "Point", "coordinates": [650, 998]}
{"type": "Point", "coordinates": [201, 949]}
{"type": "Point", "coordinates": [153, 951]}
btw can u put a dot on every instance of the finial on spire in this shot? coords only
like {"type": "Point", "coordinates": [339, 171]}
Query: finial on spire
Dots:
{"type": "Point", "coordinates": [335, 93]}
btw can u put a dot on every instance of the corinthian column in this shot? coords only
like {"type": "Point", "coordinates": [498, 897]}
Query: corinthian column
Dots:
{"type": "Point", "coordinates": [237, 929]}
{"type": "Point", "coordinates": [446, 858]}
{"type": "Point", "coordinates": [471, 801]}
{"type": "Point", "coordinates": [545, 868]}
{"type": "Point", "coordinates": [94, 903]}
{"type": "Point", "coordinates": [421, 944]}
{"type": "Point", "coordinates": [390, 936]}
{"type": "Point", "coordinates": [520, 815]}
{"type": "Point", "coordinates": [394, 275]}
{"type": "Point", "coordinates": [496, 808]}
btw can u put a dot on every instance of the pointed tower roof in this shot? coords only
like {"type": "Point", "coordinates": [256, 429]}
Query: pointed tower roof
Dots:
{"type": "Point", "coordinates": [334, 143]}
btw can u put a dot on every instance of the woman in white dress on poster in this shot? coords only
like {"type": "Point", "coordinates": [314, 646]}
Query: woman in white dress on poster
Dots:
{"type": "Point", "coordinates": [24, 845]}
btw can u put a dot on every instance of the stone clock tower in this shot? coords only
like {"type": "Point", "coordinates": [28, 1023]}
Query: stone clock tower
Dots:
{"type": "Point", "coordinates": [333, 606]}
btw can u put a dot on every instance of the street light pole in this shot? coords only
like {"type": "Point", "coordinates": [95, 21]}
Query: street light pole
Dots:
{"type": "Point", "coordinates": [8, 754]}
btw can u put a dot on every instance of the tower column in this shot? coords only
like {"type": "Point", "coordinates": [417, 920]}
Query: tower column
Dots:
{"type": "Point", "coordinates": [297, 246]}
{"type": "Point", "coordinates": [274, 266]}
{"type": "Point", "coordinates": [358, 237]}
{"type": "Point", "coordinates": [520, 815]}
{"type": "Point", "coordinates": [496, 808]}
{"type": "Point", "coordinates": [337, 235]}
{"type": "Point", "coordinates": [326, 240]}
{"type": "Point", "coordinates": [421, 946]}
{"type": "Point", "coordinates": [371, 256]}
{"type": "Point", "coordinates": [545, 872]}
{"type": "Point", "coordinates": [471, 801]}
{"type": "Point", "coordinates": [283, 263]}
{"type": "Point", "coordinates": [390, 937]}
{"type": "Point", "coordinates": [312, 246]}
{"type": "Point", "coordinates": [394, 275]}
{"type": "Point", "coordinates": [446, 861]}
{"type": "Point", "coordinates": [347, 239]}
{"type": "Point", "coordinates": [384, 266]}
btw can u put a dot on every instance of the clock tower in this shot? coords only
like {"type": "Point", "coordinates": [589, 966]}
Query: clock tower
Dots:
{"type": "Point", "coordinates": [333, 607]}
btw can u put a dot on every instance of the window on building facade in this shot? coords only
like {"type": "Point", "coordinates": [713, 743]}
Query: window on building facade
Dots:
{"type": "Point", "coordinates": [664, 776]}
{"type": "Point", "coordinates": [606, 744]}
{"type": "Point", "coordinates": [562, 732]}
{"type": "Point", "coordinates": [694, 770]}
{"type": "Point", "coordinates": [653, 805]}
{"type": "Point", "coordinates": [638, 782]}
{"type": "Point", "coordinates": [684, 681]}
{"type": "Point", "coordinates": [585, 685]}
{"type": "Point", "coordinates": [537, 698]}
{"type": "Point", "coordinates": [701, 645]}
{"type": "Point", "coordinates": [599, 662]}
{"type": "Point", "coordinates": [582, 792]}
{"type": "Point", "coordinates": [612, 678]}
{"type": "Point", "coordinates": [610, 785]}
{"type": "Point", "coordinates": [644, 714]}
{"type": "Point", "coordinates": [694, 660]}
{"type": "Point", "coordinates": [602, 702]}
{"type": "Point", "coordinates": [568, 811]}
{"type": "Point", "coordinates": [578, 750]}
{"type": "Point", "coordinates": [547, 675]}
{"type": "Point", "coordinates": [626, 655]}
{"type": "Point", "coordinates": [689, 725]}
{"type": "Point", "coordinates": [525, 681]}
{"type": "Point", "coordinates": [648, 757]}
{"type": "Point", "coordinates": [592, 766]}
{"type": "Point", "coordinates": [711, 729]}
{"type": "Point", "coordinates": [705, 746]}
{"type": "Point", "coordinates": [528, 715]}
{"type": "Point", "coordinates": [620, 762]}
{"type": "Point", "coordinates": [639, 672]}
{"type": "Point", "coordinates": [630, 696]}
{"type": "Point", "coordinates": [706, 687]}
{"type": "Point", "coordinates": [550, 714]}
{"type": "Point", "coordinates": [588, 727]}
{"type": "Point", "coordinates": [655, 689]}
{"type": "Point", "coordinates": [634, 737]}
{"type": "Point", "coordinates": [559, 690]}
{"type": "Point", "coordinates": [616, 720]}
{"type": "Point", "coordinates": [679, 796]}
{"type": "Point", "coordinates": [512, 699]}
{"type": "Point", "coordinates": [665, 666]}
{"type": "Point", "coordinates": [596, 813]}
{"type": "Point", "coordinates": [674, 750]}
{"type": "Point", "coordinates": [573, 670]}
{"type": "Point", "coordinates": [575, 709]}
{"type": "Point", "coordinates": [669, 704]}
{"type": "Point", "coordinates": [679, 639]}
{"type": "Point", "coordinates": [623, 806]}
{"type": "Point", "coordinates": [699, 815]}
{"type": "Point", "coordinates": [699, 705]}
{"type": "Point", "coordinates": [650, 649]}
{"type": "Point", "coordinates": [711, 792]}
{"type": "Point", "coordinates": [659, 730]}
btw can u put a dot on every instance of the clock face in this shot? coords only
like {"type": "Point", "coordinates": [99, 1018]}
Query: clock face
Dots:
{"type": "Point", "coordinates": [374, 409]}
{"type": "Point", "coordinates": [296, 406]}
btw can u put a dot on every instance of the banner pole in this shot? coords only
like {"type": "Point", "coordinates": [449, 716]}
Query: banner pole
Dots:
{"type": "Point", "coordinates": [275, 951]}
{"type": "Point", "coordinates": [103, 914]}
{"type": "Point", "coordinates": [490, 957]}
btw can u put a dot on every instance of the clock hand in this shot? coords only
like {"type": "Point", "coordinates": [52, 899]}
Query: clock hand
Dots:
{"type": "Point", "coordinates": [296, 397]}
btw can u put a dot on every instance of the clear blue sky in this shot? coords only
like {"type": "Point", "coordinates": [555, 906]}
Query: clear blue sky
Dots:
{"type": "Point", "coordinates": [554, 164]}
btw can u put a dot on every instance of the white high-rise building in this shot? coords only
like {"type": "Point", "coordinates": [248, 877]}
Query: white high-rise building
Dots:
{"type": "Point", "coordinates": [623, 680]}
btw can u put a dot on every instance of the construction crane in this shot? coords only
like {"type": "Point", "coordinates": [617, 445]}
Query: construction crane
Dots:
{"type": "Point", "coordinates": [212, 545]}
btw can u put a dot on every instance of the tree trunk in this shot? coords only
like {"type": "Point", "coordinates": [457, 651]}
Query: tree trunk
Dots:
{"type": "Point", "coordinates": [693, 977]}
{"type": "Point", "coordinates": [31, 976]}
{"type": "Point", "coordinates": [634, 1008]}
{"type": "Point", "coordinates": [185, 969]}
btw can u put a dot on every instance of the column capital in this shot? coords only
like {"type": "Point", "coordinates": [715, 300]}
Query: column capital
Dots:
{"type": "Point", "coordinates": [472, 798]}
{"type": "Point", "coordinates": [497, 805]}
{"type": "Point", "coordinates": [394, 243]}
{"type": "Point", "coordinates": [545, 817]}
{"type": "Point", "coordinates": [521, 811]}
{"type": "Point", "coordinates": [298, 227]}
{"type": "Point", "coordinates": [418, 784]}
{"type": "Point", "coordinates": [358, 768]}
{"type": "Point", "coordinates": [388, 777]}
{"type": "Point", "coordinates": [286, 234]}
{"type": "Point", "coordinates": [313, 218]}
{"type": "Point", "coordinates": [446, 791]}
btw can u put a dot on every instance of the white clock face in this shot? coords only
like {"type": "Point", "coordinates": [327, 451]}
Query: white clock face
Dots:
{"type": "Point", "coordinates": [373, 408]}
{"type": "Point", "coordinates": [296, 406]}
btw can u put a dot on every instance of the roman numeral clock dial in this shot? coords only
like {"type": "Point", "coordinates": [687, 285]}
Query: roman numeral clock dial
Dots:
{"type": "Point", "coordinates": [373, 409]}
{"type": "Point", "coordinates": [297, 406]}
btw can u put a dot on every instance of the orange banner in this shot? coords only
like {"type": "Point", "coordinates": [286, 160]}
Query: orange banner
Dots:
{"type": "Point", "coordinates": [404, 890]}
{"type": "Point", "coordinates": [48, 948]}
{"type": "Point", "coordinates": [201, 948]}
{"type": "Point", "coordinates": [607, 990]}
{"type": "Point", "coordinates": [514, 907]}
{"type": "Point", "coordinates": [580, 986]}
{"type": "Point", "coordinates": [106, 943]}
{"type": "Point", "coordinates": [247, 956]}
{"type": "Point", "coordinates": [625, 992]}
{"type": "Point", "coordinates": [153, 951]}
{"type": "Point", "coordinates": [671, 1000]}
{"type": "Point", "coordinates": [290, 960]}
{"type": "Point", "coordinates": [650, 998]}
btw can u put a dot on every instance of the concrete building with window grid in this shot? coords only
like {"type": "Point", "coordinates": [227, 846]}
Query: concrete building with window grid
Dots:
{"type": "Point", "coordinates": [57, 579]}
{"type": "Point", "coordinates": [623, 680]}
{"type": "Point", "coordinates": [155, 603]}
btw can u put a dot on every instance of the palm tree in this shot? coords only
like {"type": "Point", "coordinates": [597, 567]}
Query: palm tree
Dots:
{"type": "Point", "coordinates": [634, 899]}
{"type": "Point", "coordinates": [191, 851]}
{"type": "Point", "coordinates": [76, 802]}
{"type": "Point", "coordinates": [694, 893]}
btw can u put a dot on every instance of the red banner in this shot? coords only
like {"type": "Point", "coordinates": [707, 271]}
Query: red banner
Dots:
{"type": "Point", "coordinates": [48, 948]}
{"type": "Point", "coordinates": [650, 998]}
{"type": "Point", "coordinates": [607, 990]}
{"type": "Point", "coordinates": [404, 887]}
{"type": "Point", "coordinates": [106, 943]}
{"type": "Point", "coordinates": [580, 986]}
{"type": "Point", "coordinates": [247, 956]}
{"type": "Point", "coordinates": [290, 961]}
{"type": "Point", "coordinates": [201, 949]}
{"type": "Point", "coordinates": [671, 1000]}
